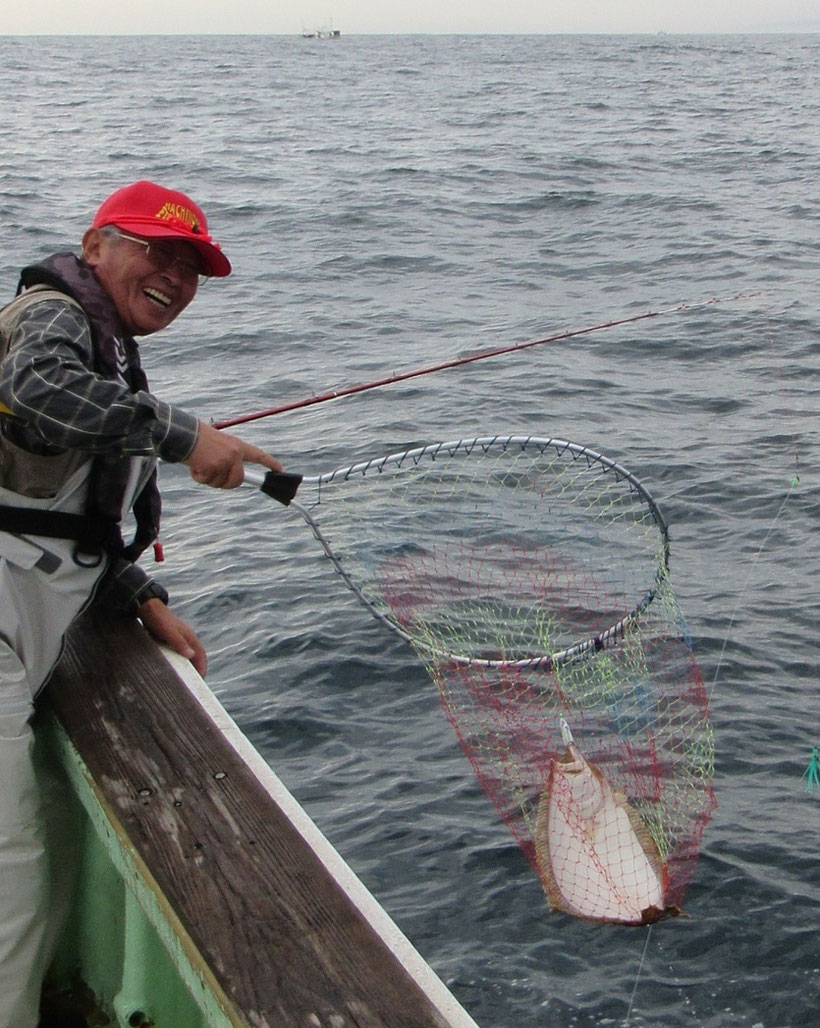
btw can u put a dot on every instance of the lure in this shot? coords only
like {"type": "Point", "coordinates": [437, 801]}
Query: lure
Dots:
{"type": "Point", "coordinates": [812, 772]}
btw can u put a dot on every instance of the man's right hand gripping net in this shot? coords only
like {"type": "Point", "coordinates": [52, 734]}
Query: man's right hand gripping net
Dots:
{"type": "Point", "coordinates": [531, 577]}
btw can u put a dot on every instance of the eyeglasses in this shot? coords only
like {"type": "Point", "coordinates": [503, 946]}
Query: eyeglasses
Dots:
{"type": "Point", "coordinates": [164, 257]}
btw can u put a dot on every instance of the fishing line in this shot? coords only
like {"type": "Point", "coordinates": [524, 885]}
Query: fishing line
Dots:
{"type": "Point", "coordinates": [732, 618]}
{"type": "Point", "coordinates": [795, 480]}
{"type": "Point", "coordinates": [745, 587]}
{"type": "Point", "coordinates": [752, 566]}
{"type": "Point", "coordinates": [472, 358]}
{"type": "Point", "coordinates": [638, 977]}
{"type": "Point", "coordinates": [812, 773]}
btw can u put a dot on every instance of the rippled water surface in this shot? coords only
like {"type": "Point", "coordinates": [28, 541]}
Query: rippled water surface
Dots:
{"type": "Point", "coordinates": [394, 202]}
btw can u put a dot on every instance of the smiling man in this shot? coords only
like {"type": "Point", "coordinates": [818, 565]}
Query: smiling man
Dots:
{"type": "Point", "coordinates": [80, 435]}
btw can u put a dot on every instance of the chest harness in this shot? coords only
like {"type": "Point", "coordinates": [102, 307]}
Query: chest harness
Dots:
{"type": "Point", "coordinates": [96, 532]}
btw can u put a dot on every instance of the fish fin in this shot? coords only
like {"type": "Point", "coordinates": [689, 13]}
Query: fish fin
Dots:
{"type": "Point", "coordinates": [653, 914]}
{"type": "Point", "coordinates": [543, 859]}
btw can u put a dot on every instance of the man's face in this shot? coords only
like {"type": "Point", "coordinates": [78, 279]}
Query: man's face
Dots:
{"type": "Point", "coordinates": [148, 297]}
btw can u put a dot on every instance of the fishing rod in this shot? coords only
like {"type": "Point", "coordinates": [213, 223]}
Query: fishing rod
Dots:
{"type": "Point", "coordinates": [482, 355]}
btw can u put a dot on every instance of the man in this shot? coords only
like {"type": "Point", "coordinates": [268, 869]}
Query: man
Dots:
{"type": "Point", "coordinates": [79, 437]}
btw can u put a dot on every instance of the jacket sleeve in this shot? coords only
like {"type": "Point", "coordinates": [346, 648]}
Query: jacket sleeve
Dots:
{"type": "Point", "coordinates": [126, 586]}
{"type": "Point", "coordinates": [59, 403]}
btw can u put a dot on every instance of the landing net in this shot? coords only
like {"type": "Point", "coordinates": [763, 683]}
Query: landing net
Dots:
{"type": "Point", "coordinates": [531, 577]}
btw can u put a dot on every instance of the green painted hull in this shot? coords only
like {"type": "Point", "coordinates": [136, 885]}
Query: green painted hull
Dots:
{"type": "Point", "coordinates": [121, 940]}
{"type": "Point", "coordinates": [205, 895]}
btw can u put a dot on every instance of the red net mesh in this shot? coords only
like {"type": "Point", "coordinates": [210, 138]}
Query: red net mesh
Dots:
{"type": "Point", "coordinates": [638, 714]}
{"type": "Point", "coordinates": [531, 578]}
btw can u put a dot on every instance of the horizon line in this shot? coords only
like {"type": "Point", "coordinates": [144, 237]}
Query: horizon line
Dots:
{"type": "Point", "coordinates": [466, 32]}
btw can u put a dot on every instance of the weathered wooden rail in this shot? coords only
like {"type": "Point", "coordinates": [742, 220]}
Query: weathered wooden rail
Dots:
{"type": "Point", "coordinates": [210, 871]}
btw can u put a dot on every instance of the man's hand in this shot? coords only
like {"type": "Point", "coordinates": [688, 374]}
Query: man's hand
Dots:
{"type": "Point", "coordinates": [217, 459]}
{"type": "Point", "coordinates": [171, 630]}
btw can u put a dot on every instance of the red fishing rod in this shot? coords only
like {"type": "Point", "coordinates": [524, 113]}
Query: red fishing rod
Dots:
{"type": "Point", "coordinates": [458, 362]}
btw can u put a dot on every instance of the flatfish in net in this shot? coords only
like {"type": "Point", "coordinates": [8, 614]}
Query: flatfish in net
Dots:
{"type": "Point", "coordinates": [595, 856]}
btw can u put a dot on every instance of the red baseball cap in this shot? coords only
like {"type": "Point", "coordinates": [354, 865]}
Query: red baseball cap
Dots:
{"type": "Point", "coordinates": [154, 212]}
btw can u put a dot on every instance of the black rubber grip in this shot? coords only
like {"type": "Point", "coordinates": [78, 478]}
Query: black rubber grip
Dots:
{"type": "Point", "coordinates": [281, 485]}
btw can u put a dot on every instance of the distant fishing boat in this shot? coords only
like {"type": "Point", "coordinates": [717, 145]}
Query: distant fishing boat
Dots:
{"type": "Point", "coordinates": [321, 33]}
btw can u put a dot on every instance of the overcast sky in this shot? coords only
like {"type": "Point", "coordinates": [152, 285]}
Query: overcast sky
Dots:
{"type": "Point", "coordinates": [290, 17]}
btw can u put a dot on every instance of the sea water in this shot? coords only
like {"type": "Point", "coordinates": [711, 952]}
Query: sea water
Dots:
{"type": "Point", "coordinates": [395, 202]}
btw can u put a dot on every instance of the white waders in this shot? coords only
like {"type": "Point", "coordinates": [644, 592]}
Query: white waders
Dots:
{"type": "Point", "coordinates": [36, 609]}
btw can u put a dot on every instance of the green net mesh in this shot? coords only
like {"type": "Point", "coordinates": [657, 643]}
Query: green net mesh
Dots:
{"type": "Point", "coordinates": [531, 577]}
